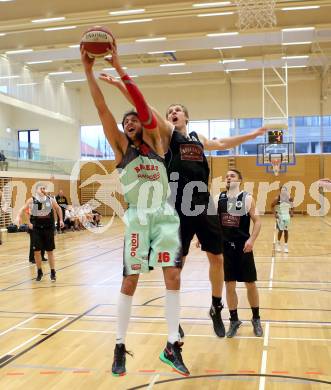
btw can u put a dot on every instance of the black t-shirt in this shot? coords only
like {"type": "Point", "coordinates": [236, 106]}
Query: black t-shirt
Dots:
{"type": "Point", "coordinates": [234, 218]}
{"type": "Point", "coordinates": [61, 201]}
{"type": "Point", "coordinates": [186, 157]}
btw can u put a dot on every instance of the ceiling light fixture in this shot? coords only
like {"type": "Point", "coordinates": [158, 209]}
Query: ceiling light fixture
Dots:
{"type": "Point", "coordinates": [236, 70]}
{"type": "Point", "coordinates": [227, 47]}
{"type": "Point", "coordinates": [162, 52]}
{"type": "Point", "coordinates": [60, 28]}
{"type": "Point", "coordinates": [175, 64]}
{"type": "Point", "coordinates": [296, 43]}
{"type": "Point", "coordinates": [151, 39]}
{"type": "Point", "coordinates": [60, 73]}
{"type": "Point", "coordinates": [299, 8]}
{"type": "Point", "coordinates": [222, 34]}
{"type": "Point", "coordinates": [294, 57]}
{"type": "Point", "coordinates": [135, 21]}
{"type": "Point", "coordinates": [74, 81]}
{"type": "Point", "coordinates": [216, 4]}
{"type": "Point", "coordinates": [20, 51]}
{"type": "Point", "coordinates": [38, 62]}
{"type": "Point", "coordinates": [230, 61]}
{"type": "Point", "coordinates": [177, 73]}
{"type": "Point", "coordinates": [298, 29]}
{"type": "Point", "coordinates": [48, 20]}
{"type": "Point", "coordinates": [25, 84]}
{"type": "Point", "coordinates": [216, 14]}
{"type": "Point", "coordinates": [127, 12]}
{"type": "Point", "coordinates": [9, 77]}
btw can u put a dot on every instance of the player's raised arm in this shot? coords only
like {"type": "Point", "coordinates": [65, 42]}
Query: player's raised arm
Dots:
{"type": "Point", "coordinates": [115, 137]}
{"type": "Point", "coordinates": [230, 142]}
{"type": "Point", "coordinates": [165, 127]}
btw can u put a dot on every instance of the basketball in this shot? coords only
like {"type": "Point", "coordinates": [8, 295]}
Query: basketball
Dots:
{"type": "Point", "coordinates": [97, 41]}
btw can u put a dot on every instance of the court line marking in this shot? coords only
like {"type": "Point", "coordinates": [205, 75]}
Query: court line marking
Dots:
{"type": "Point", "coordinates": [18, 325]}
{"type": "Point", "coordinates": [60, 252]}
{"type": "Point", "coordinates": [12, 358]}
{"type": "Point", "coordinates": [29, 340]}
{"type": "Point", "coordinates": [60, 269]}
{"type": "Point", "coordinates": [152, 382]}
{"type": "Point", "coordinates": [186, 334]}
{"type": "Point", "coordinates": [111, 277]}
{"type": "Point", "coordinates": [273, 256]}
{"type": "Point", "coordinates": [263, 369]}
{"type": "Point", "coordinates": [154, 318]}
{"type": "Point", "coordinates": [227, 376]}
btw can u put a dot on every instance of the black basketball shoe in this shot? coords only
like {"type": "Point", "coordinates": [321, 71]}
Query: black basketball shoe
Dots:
{"type": "Point", "coordinates": [215, 315]}
{"type": "Point", "coordinates": [39, 275]}
{"type": "Point", "coordinates": [172, 355]}
{"type": "Point", "coordinates": [118, 367]}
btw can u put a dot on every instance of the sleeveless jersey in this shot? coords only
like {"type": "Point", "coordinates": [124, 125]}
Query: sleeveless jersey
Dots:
{"type": "Point", "coordinates": [143, 176]}
{"type": "Point", "coordinates": [234, 218]}
{"type": "Point", "coordinates": [186, 156]}
{"type": "Point", "coordinates": [41, 213]}
{"type": "Point", "coordinates": [284, 206]}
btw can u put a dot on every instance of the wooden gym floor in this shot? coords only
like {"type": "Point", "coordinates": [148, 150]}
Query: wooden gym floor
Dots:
{"type": "Point", "coordinates": [61, 336]}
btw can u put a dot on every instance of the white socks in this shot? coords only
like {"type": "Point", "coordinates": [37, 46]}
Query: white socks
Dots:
{"type": "Point", "coordinates": [124, 305]}
{"type": "Point", "coordinates": [172, 310]}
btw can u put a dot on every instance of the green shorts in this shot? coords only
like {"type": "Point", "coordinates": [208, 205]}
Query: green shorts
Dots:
{"type": "Point", "coordinates": [283, 222]}
{"type": "Point", "coordinates": [151, 240]}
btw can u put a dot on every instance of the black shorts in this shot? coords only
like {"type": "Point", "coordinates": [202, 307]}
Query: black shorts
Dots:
{"type": "Point", "coordinates": [238, 266]}
{"type": "Point", "coordinates": [43, 238]}
{"type": "Point", "coordinates": [206, 227]}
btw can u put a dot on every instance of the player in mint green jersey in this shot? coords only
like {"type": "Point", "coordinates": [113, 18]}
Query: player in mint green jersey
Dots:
{"type": "Point", "coordinates": [152, 232]}
{"type": "Point", "coordinates": [283, 210]}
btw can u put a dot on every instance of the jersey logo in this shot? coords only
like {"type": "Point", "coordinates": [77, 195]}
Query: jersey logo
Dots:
{"type": "Point", "coordinates": [191, 152]}
{"type": "Point", "coordinates": [134, 244]}
{"type": "Point", "coordinates": [229, 220]}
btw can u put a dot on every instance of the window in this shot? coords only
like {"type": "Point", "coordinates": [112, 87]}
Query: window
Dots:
{"type": "Point", "coordinates": [200, 127]}
{"type": "Point", "coordinates": [326, 147]}
{"type": "Point", "coordinates": [3, 88]}
{"type": "Point", "coordinates": [246, 126]}
{"type": "Point", "coordinates": [301, 147]}
{"type": "Point", "coordinates": [93, 143]}
{"type": "Point", "coordinates": [28, 144]}
{"type": "Point", "coordinates": [299, 121]}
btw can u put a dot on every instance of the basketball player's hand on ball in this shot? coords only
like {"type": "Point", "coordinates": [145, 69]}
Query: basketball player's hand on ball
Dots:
{"type": "Point", "coordinates": [248, 246]}
{"type": "Point", "coordinates": [86, 60]}
{"type": "Point", "coordinates": [114, 59]}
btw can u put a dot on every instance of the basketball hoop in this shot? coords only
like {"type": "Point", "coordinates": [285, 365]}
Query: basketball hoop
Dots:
{"type": "Point", "coordinates": [256, 14]}
{"type": "Point", "coordinates": [275, 162]}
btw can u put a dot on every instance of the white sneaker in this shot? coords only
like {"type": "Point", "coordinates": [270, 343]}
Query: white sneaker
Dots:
{"type": "Point", "coordinates": [278, 247]}
{"type": "Point", "coordinates": [285, 248]}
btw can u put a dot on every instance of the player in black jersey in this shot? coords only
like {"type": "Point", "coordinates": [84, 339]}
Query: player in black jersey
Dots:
{"type": "Point", "coordinates": [41, 222]}
{"type": "Point", "coordinates": [188, 173]}
{"type": "Point", "coordinates": [236, 209]}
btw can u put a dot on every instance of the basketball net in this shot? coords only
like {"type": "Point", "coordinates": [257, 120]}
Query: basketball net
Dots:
{"type": "Point", "coordinates": [275, 162]}
{"type": "Point", "coordinates": [256, 14]}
